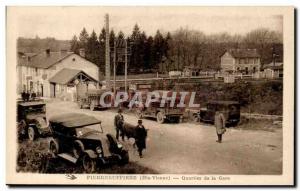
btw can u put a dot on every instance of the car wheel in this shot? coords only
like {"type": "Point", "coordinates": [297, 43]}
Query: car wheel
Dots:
{"type": "Point", "coordinates": [53, 148]}
{"type": "Point", "coordinates": [160, 117]}
{"type": "Point", "coordinates": [180, 120]}
{"type": "Point", "coordinates": [139, 114]}
{"type": "Point", "coordinates": [78, 149]}
{"type": "Point", "coordinates": [92, 106]}
{"type": "Point", "coordinates": [88, 164]}
{"type": "Point", "coordinates": [31, 133]}
{"type": "Point", "coordinates": [125, 158]}
{"type": "Point", "coordinates": [80, 104]}
{"type": "Point", "coordinates": [196, 118]}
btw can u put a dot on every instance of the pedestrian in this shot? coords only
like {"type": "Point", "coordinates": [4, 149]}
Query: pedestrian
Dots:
{"type": "Point", "coordinates": [220, 125]}
{"type": "Point", "coordinates": [119, 124]}
{"type": "Point", "coordinates": [140, 140]}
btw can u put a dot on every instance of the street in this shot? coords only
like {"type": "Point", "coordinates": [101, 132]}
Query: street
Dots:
{"type": "Point", "coordinates": [190, 148]}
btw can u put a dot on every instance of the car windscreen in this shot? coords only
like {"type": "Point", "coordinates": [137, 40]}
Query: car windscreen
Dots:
{"type": "Point", "coordinates": [83, 131]}
{"type": "Point", "coordinates": [36, 109]}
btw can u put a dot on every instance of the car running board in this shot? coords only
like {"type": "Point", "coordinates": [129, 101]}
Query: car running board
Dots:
{"type": "Point", "coordinates": [68, 157]}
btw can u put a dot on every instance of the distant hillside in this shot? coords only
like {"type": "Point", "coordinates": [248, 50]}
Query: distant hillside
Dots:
{"type": "Point", "coordinates": [40, 44]}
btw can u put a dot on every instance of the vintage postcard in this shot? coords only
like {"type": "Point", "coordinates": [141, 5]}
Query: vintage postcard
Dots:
{"type": "Point", "coordinates": [150, 95]}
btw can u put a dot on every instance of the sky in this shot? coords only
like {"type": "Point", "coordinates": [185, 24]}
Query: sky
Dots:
{"type": "Point", "coordinates": [64, 22]}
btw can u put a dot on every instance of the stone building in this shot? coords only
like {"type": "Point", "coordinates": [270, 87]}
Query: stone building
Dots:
{"type": "Point", "coordinates": [35, 72]}
{"type": "Point", "coordinates": [246, 61]}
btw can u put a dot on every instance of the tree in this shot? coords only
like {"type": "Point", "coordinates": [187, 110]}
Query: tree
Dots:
{"type": "Point", "coordinates": [93, 49]}
{"type": "Point", "coordinates": [74, 44]}
{"type": "Point", "coordinates": [83, 38]}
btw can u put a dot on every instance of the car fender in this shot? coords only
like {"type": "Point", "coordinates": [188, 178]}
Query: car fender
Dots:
{"type": "Point", "coordinates": [55, 141]}
{"type": "Point", "coordinates": [91, 153]}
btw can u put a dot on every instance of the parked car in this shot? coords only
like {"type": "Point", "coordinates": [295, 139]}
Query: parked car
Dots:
{"type": "Point", "coordinates": [167, 112]}
{"type": "Point", "coordinates": [80, 139]}
{"type": "Point", "coordinates": [92, 99]}
{"type": "Point", "coordinates": [31, 119]}
{"type": "Point", "coordinates": [230, 110]}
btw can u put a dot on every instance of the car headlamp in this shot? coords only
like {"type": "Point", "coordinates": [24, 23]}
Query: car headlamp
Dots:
{"type": "Point", "coordinates": [98, 150]}
{"type": "Point", "coordinates": [120, 145]}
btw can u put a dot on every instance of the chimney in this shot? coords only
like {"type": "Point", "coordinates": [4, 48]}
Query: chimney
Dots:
{"type": "Point", "coordinates": [48, 52]}
{"type": "Point", "coordinates": [82, 52]}
{"type": "Point", "coordinates": [63, 52]}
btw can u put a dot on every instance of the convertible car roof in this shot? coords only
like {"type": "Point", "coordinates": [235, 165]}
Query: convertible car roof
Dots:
{"type": "Point", "coordinates": [74, 120]}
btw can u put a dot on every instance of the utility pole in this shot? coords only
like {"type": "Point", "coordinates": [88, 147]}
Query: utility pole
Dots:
{"type": "Point", "coordinates": [125, 65]}
{"type": "Point", "coordinates": [107, 53]}
{"type": "Point", "coordinates": [115, 55]}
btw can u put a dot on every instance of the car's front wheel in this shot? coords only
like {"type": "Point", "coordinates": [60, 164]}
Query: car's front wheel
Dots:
{"type": "Point", "coordinates": [54, 149]}
{"type": "Point", "coordinates": [125, 158]}
{"type": "Point", "coordinates": [31, 132]}
{"type": "Point", "coordinates": [160, 117]}
{"type": "Point", "coordinates": [88, 164]}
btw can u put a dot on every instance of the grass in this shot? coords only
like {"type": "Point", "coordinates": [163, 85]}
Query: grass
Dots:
{"type": "Point", "coordinates": [34, 157]}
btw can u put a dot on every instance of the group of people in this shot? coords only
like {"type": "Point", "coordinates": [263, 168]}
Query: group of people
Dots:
{"type": "Point", "coordinates": [26, 96]}
{"type": "Point", "coordinates": [140, 132]}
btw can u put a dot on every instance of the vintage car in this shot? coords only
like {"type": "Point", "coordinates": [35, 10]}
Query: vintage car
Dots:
{"type": "Point", "coordinates": [80, 139]}
{"type": "Point", "coordinates": [167, 112]}
{"type": "Point", "coordinates": [230, 110]}
{"type": "Point", "coordinates": [91, 99]}
{"type": "Point", "coordinates": [31, 119]}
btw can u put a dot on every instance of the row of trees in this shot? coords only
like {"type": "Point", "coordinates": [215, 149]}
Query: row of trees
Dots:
{"type": "Point", "coordinates": [174, 51]}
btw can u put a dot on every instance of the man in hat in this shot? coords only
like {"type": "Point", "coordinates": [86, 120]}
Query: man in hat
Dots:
{"type": "Point", "coordinates": [119, 122]}
{"type": "Point", "coordinates": [220, 125]}
{"type": "Point", "coordinates": [140, 140]}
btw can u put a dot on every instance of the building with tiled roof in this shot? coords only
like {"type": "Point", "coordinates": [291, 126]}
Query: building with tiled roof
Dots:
{"type": "Point", "coordinates": [35, 71]}
{"type": "Point", "coordinates": [245, 61]}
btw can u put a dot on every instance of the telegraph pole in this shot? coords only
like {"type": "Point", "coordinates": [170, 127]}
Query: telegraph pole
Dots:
{"type": "Point", "coordinates": [115, 55]}
{"type": "Point", "coordinates": [107, 53]}
{"type": "Point", "coordinates": [125, 65]}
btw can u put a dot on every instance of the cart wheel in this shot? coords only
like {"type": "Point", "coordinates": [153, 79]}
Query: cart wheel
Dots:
{"type": "Point", "coordinates": [92, 106]}
{"type": "Point", "coordinates": [88, 164]}
{"type": "Point", "coordinates": [31, 133]}
{"type": "Point", "coordinates": [160, 117]}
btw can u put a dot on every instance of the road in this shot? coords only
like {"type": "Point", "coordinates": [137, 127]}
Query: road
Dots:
{"type": "Point", "coordinates": [190, 148]}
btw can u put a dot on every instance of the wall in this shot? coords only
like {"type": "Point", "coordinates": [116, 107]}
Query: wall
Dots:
{"type": "Point", "coordinates": [79, 64]}
{"type": "Point", "coordinates": [227, 62]}
{"type": "Point", "coordinates": [37, 75]}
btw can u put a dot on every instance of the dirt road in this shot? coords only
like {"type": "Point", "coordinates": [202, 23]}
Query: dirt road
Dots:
{"type": "Point", "coordinates": [192, 148]}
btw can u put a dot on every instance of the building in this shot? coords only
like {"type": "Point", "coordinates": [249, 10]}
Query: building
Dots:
{"type": "Point", "coordinates": [191, 70]}
{"type": "Point", "coordinates": [246, 61]}
{"type": "Point", "coordinates": [273, 70]}
{"type": "Point", "coordinates": [50, 74]}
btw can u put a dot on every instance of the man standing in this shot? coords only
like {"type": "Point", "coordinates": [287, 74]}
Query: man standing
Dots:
{"type": "Point", "coordinates": [140, 140]}
{"type": "Point", "coordinates": [220, 125]}
{"type": "Point", "coordinates": [119, 122]}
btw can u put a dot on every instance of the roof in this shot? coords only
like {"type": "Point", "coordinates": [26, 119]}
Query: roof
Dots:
{"type": "Point", "coordinates": [243, 53]}
{"type": "Point", "coordinates": [274, 66]}
{"type": "Point", "coordinates": [223, 102]}
{"type": "Point", "coordinates": [74, 120]}
{"type": "Point", "coordinates": [42, 60]}
{"type": "Point", "coordinates": [66, 75]}
{"type": "Point", "coordinates": [30, 103]}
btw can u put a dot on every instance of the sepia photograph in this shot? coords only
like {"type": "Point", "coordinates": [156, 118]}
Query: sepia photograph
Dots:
{"type": "Point", "coordinates": [150, 95]}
